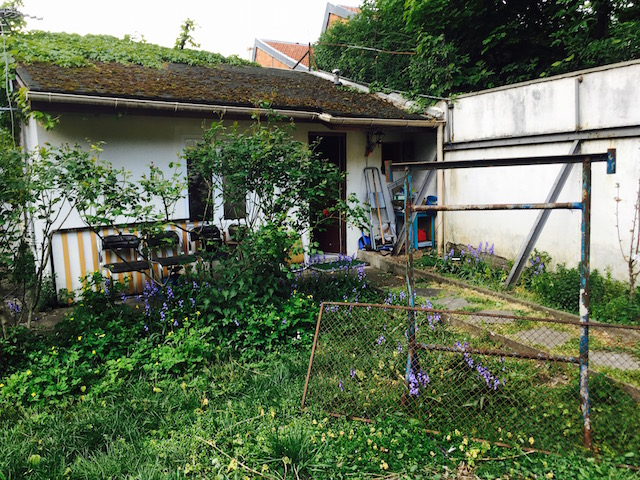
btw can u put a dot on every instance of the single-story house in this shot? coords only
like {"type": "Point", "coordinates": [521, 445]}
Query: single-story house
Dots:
{"type": "Point", "coordinates": [146, 115]}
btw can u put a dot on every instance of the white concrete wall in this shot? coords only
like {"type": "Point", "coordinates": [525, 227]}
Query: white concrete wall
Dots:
{"type": "Point", "coordinates": [607, 97]}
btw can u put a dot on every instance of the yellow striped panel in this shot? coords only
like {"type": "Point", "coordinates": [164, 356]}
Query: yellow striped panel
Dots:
{"type": "Point", "coordinates": [83, 266]}
{"type": "Point", "coordinates": [67, 264]}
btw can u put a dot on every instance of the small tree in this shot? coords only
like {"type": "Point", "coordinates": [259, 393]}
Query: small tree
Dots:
{"type": "Point", "coordinates": [631, 255]}
{"type": "Point", "coordinates": [280, 179]}
{"type": "Point", "coordinates": [185, 37]}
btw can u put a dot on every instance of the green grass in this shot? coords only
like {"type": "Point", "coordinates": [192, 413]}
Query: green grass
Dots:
{"type": "Point", "coordinates": [233, 419]}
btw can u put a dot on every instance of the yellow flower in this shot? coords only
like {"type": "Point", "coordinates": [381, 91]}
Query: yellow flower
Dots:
{"type": "Point", "coordinates": [1, 385]}
{"type": "Point", "coordinates": [186, 319]}
{"type": "Point", "coordinates": [169, 334]}
{"type": "Point", "coordinates": [71, 319]}
{"type": "Point", "coordinates": [28, 372]}
{"type": "Point", "coordinates": [264, 468]}
{"type": "Point", "coordinates": [101, 336]}
{"type": "Point", "coordinates": [384, 465]}
{"type": "Point", "coordinates": [531, 440]}
{"type": "Point", "coordinates": [83, 388]}
{"type": "Point", "coordinates": [261, 410]}
{"type": "Point", "coordinates": [342, 433]}
{"type": "Point", "coordinates": [198, 314]}
{"type": "Point", "coordinates": [93, 352]}
{"type": "Point", "coordinates": [156, 390]}
{"type": "Point", "coordinates": [79, 337]}
{"type": "Point", "coordinates": [233, 465]}
{"type": "Point", "coordinates": [549, 475]}
{"type": "Point", "coordinates": [33, 394]}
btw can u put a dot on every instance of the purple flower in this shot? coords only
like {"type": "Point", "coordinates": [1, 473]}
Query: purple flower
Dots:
{"type": "Point", "coordinates": [381, 340]}
{"type": "Point", "coordinates": [175, 323]}
{"type": "Point", "coordinates": [236, 322]}
{"type": "Point", "coordinates": [340, 385]}
{"type": "Point", "coordinates": [15, 308]}
{"type": "Point", "coordinates": [146, 328]}
{"type": "Point", "coordinates": [352, 372]}
{"type": "Point", "coordinates": [416, 380]}
{"type": "Point", "coordinates": [399, 347]}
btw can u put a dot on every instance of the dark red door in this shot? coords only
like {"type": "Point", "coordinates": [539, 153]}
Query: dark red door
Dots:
{"type": "Point", "coordinates": [332, 236]}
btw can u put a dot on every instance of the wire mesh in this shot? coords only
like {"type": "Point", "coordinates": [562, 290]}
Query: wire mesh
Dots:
{"type": "Point", "coordinates": [493, 376]}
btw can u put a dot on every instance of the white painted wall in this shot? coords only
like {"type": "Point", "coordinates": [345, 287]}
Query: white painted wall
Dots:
{"type": "Point", "coordinates": [607, 97]}
{"type": "Point", "coordinates": [133, 142]}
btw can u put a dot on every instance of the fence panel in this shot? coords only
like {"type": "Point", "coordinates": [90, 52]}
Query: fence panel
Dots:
{"type": "Point", "coordinates": [493, 376]}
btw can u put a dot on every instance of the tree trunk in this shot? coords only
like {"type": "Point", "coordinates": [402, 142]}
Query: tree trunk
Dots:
{"type": "Point", "coordinates": [4, 319]}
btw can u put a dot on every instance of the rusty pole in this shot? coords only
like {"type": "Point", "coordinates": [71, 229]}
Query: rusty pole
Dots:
{"type": "Point", "coordinates": [584, 300]}
{"type": "Point", "coordinates": [412, 358]}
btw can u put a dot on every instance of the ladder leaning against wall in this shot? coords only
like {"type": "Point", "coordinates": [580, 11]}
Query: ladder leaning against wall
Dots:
{"type": "Point", "coordinates": [382, 231]}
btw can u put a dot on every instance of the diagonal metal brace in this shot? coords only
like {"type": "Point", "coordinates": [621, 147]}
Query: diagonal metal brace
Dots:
{"type": "Point", "coordinates": [538, 225]}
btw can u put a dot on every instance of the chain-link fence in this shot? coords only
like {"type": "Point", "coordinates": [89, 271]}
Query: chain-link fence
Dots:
{"type": "Point", "coordinates": [493, 376]}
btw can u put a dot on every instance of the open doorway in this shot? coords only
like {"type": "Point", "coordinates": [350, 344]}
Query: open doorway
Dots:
{"type": "Point", "coordinates": [332, 237]}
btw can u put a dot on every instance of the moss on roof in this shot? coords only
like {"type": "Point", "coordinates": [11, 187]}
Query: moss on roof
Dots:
{"type": "Point", "coordinates": [73, 50]}
{"type": "Point", "coordinates": [212, 85]}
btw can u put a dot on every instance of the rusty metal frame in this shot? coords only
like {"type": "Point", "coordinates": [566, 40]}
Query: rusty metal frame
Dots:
{"type": "Point", "coordinates": [498, 353]}
{"type": "Point", "coordinates": [584, 206]}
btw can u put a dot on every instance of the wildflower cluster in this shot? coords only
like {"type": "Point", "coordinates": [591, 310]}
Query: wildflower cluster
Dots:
{"type": "Point", "coordinates": [483, 372]}
{"type": "Point", "coordinates": [417, 380]}
{"type": "Point", "coordinates": [469, 263]}
{"type": "Point", "coordinates": [343, 279]}
{"type": "Point", "coordinates": [15, 308]}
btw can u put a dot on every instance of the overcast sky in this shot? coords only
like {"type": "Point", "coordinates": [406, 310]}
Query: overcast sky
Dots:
{"type": "Point", "coordinates": [224, 26]}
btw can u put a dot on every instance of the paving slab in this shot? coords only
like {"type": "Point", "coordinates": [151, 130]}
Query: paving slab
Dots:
{"type": "Point", "coordinates": [544, 336]}
{"type": "Point", "coordinates": [428, 292]}
{"type": "Point", "coordinates": [452, 303]}
{"type": "Point", "coordinates": [479, 318]}
{"type": "Point", "coordinates": [621, 360]}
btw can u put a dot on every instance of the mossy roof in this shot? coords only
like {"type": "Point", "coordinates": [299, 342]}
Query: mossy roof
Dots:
{"type": "Point", "coordinates": [222, 85]}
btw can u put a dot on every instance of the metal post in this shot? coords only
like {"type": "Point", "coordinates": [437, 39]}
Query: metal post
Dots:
{"type": "Point", "coordinates": [412, 359]}
{"type": "Point", "coordinates": [584, 300]}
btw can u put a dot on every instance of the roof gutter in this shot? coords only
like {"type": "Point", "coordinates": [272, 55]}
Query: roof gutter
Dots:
{"type": "Point", "coordinates": [114, 102]}
{"type": "Point", "coordinates": [376, 122]}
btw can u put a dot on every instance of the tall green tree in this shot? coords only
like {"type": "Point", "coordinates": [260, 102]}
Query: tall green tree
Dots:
{"type": "Point", "coordinates": [474, 44]}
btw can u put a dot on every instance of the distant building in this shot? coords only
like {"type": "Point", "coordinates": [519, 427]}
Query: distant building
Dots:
{"type": "Point", "coordinates": [289, 55]}
{"type": "Point", "coordinates": [337, 13]}
{"type": "Point", "coordinates": [275, 54]}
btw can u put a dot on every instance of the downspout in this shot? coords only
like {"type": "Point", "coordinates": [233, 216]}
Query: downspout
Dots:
{"type": "Point", "coordinates": [440, 189]}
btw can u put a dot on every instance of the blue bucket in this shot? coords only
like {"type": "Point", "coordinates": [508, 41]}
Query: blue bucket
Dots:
{"type": "Point", "coordinates": [432, 200]}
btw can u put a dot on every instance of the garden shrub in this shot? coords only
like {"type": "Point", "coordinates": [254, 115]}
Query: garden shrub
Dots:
{"type": "Point", "coordinates": [341, 280]}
